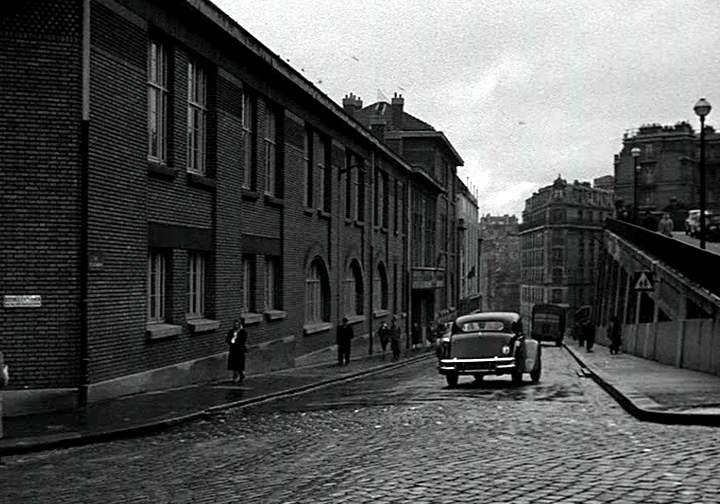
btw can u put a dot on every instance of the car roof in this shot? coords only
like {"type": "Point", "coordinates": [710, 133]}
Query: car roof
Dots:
{"type": "Point", "coordinates": [504, 316]}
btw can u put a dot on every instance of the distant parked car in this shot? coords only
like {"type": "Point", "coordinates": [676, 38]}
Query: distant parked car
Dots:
{"type": "Point", "coordinates": [491, 343]}
{"type": "Point", "coordinates": [712, 224]}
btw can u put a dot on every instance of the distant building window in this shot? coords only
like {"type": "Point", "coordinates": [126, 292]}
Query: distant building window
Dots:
{"type": "Point", "coordinates": [308, 162]}
{"type": "Point", "coordinates": [380, 288]}
{"type": "Point", "coordinates": [196, 285]}
{"type": "Point", "coordinates": [157, 101]}
{"type": "Point", "coordinates": [271, 157]}
{"type": "Point", "coordinates": [353, 290]}
{"type": "Point", "coordinates": [317, 293]}
{"type": "Point", "coordinates": [557, 296]}
{"type": "Point", "coordinates": [381, 198]}
{"type": "Point", "coordinates": [156, 278]}
{"type": "Point", "coordinates": [557, 275]}
{"type": "Point", "coordinates": [349, 166]}
{"type": "Point", "coordinates": [248, 140]}
{"type": "Point", "coordinates": [196, 118]}
{"type": "Point", "coordinates": [249, 275]}
{"type": "Point", "coordinates": [322, 163]}
{"type": "Point", "coordinates": [360, 199]}
{"type": "Point", "coordinates": [272, 283]}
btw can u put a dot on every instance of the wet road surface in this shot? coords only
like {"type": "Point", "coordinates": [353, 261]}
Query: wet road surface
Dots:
{"type": "Point", "coordinates": [399, 436]}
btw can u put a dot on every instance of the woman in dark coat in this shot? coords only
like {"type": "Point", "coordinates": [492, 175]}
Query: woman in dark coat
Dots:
{"type": "Point", "coordinates": [237, 341]}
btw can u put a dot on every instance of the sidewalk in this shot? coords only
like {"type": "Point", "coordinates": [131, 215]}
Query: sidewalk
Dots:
{"type": "Point", "coordinates": [143, 413]}
{"type": "Point", "coordinates": [652, 391]}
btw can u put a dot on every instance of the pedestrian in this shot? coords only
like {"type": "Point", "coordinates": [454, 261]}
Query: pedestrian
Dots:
{"type": "Point", "coordinates": [614, 333]}
{"type": "Point", "coordinates": [579, 332]}
{"type": "Point", "coordinates": [589, 332]}
{"type": "Point", "coordinates": [344, 342]}
{"type": "Point", "coordinates": [384, 337]}
{"type": "Point", "coordinates": [237, 348]}
{"type": "Point", "coordinates": [666, 225]}
{"type": "Point", "coordinates": [395, 339]}
{"type": "Point", "coordinates": [416, 335]}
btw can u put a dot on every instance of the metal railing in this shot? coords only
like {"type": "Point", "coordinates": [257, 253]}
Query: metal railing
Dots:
{"type": "Point", "coordinates": [700, 266]}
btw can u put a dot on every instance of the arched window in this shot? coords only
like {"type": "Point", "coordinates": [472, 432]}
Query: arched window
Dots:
{"type": "Point", "coordinates": [353, 290]}
{"type": "Point", "coordinates": [317, 293]}
{"type": "Point", "coordinates": [380, 288]}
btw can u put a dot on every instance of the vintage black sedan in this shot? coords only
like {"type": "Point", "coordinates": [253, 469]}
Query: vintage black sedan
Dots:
{"type": "Point", "coordinates": [490, 343]}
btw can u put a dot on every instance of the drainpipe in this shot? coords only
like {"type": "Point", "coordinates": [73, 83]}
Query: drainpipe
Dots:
{"type": "Point", "coordinates": [370, 226]}
{"type": "Point", "coordinates": [84, 166]}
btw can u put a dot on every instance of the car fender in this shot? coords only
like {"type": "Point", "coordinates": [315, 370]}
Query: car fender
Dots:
{"type": "Point", "coordinates": [531, 355]}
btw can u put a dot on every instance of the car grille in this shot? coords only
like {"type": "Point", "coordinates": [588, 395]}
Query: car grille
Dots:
{"type": "Point", "coordinates": [478, 346]}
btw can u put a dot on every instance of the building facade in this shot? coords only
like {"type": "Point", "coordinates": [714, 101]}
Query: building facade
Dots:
{"type": "Point", "coordinates": [499, 263]}
{"type": "Point", "coordinates": [468, 225]}
{"type": "Point", "coordinates": [668, 170]}
{"type": "Point", "coordinates": [434, 285]}
{"type": "Point", "coordinates": [166, 173]}
{"type": "Point", "coordinates": [560, 240]}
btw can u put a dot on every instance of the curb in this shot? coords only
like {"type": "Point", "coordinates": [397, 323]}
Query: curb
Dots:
{"type": "Point", "coordinates": [72, 439]}
{"type": "Point", "coordinates": [639, 405]}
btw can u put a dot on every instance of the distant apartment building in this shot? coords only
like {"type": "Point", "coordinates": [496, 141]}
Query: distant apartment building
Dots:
{"type": "Point", "coordinates": [499, 263]}
{"type": "Point", "coordinates": [468, 228]}
{"type": "Point", "coordinates": [434, 293]}
{"type": "Point", "coordinates": [560, 244]}
{"type": "Point", "coordinates": [668, 167]}
{"type": "Point", "coordinates": [606, 182]}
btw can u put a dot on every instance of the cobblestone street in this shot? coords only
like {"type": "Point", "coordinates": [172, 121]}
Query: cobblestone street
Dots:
{"type": "Point", "coordinates": [400, 436]}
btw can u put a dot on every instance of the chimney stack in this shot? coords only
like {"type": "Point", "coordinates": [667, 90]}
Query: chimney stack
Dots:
{"type": "Point", "coordinates": [377, 126]}
{"type": "Point", "coordinates": [396, 111]}
{"type": "Point", "coordinates": [351, 104]}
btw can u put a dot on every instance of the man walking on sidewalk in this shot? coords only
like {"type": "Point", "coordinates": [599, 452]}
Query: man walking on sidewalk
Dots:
{"type": "Point", "coordinates": [344, 342]}
{"type": "Point", "coordinates": [395, 339]}
{"type": "Point", "coordinates": [384, 337]}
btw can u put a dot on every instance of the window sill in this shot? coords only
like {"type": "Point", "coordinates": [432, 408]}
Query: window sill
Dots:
{"type": "Point", "coordinates": [380, 313]}
{"type": "Point", "coordinates": [162, 331]}
{"type": "Point", "coordinates": [251, 318]}
{"type": "Point", "coordinates": [202, 325]}
{"type": "Point", "coordinates": [356, 319]}
{"type": "Point", "coordinates": [317, 328]}
{"type": "Point", "coordinates": [348, 221]}
{"type": "Point", "coordinates": [274, 201]}
{"type": "Point", "coordinates": [161, 170]}
{"type": "Point", "coordinates": [324, 215]}
{"type": "Point", "coordinates": [384, 230]}
{"type": "Point", "coordinates": [359, 224]}
{"type": "Point", "coordinates": [249, 194]}
{"type": "Point", "coordinates": [275, 314]}
{"type": "Point", "coordinates": [309, 211]}
{"type": "Point", "coordinates": [202, 181]}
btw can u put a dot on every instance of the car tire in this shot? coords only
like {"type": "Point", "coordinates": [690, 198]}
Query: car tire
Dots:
{"type": "Point", "coordinates": [452, 380]}
{"type": "Point", "coordinates": [558, 342]}
{"type": "Point", "coordinates": [517, 377]}
{"type": "Point", "coordinates": [535, 374]}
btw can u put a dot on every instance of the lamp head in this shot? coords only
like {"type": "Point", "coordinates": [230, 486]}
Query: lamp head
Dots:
{"type": "Point", "coordinates": [702, 107]}
{"type": "Point", "coordinates": [635, 151]}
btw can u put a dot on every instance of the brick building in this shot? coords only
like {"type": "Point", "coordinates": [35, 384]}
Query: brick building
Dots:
{"type": "Point", "coordinates": [433, 212]}
{"type": "Point", "coordinates": [668, 173]}
{"type": "Point", "coordinates": [499, 263]}
{"type": "Point", "coordinates": [468, 224]}
{"type": "Point", "coordinates": [560, 239]}
{"type": "Point", "coordinates": [165, 173]}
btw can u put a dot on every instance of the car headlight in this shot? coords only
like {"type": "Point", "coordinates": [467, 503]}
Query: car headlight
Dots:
{"type": "Point", "coordinates": [505, 350]}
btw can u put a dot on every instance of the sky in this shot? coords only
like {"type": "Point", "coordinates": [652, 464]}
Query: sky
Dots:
{"type": "Point", "coordinates": [524, 90]}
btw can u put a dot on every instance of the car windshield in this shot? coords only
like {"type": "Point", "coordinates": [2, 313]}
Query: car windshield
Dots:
{"type": "Point", "coordinates": [482, 325]}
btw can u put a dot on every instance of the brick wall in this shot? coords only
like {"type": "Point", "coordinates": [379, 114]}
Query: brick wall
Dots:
{"type": "Point", "coordinates": [39, 189]}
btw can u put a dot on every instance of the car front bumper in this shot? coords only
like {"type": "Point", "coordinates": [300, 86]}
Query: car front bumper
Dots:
{"type": "Point", "coordinates": [489, 365]}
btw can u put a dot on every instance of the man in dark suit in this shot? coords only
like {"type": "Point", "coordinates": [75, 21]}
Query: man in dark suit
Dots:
{"type": "Point", "coordinates": [344, 342]}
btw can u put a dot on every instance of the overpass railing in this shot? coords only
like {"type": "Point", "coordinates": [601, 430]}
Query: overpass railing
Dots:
{"type": "Point", "coordinates": [698, 265]}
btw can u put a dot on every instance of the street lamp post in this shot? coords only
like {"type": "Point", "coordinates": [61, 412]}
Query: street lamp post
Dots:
{"type": "Point", "coordinates": [635, 151]}
{"type": "Point", "coordinates": [702, 108]}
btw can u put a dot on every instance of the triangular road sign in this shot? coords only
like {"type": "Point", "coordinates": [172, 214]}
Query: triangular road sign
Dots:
{"type": "Point", "coordinates": [643, 281]}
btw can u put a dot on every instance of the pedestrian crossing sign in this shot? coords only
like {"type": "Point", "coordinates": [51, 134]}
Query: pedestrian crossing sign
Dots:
{"type": "Point", "coordinates": [644, 281]}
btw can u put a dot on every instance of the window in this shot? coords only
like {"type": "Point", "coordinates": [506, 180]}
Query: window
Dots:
{"type": "Point", "coordinates": [196, 285]}
{"type": "Point", "coordinates": [349, 161]}
{"type": "Point", "coordinates": [353, 290]}
{"type": "Point", "coordinates": [395, 206]}
{"type": "Point", "coordinates": [157, 101]}
{"type": "Point", "coordinates": [317, 293]}
{"type": "Point", "coordinates": [248, 140]}
{"type": "Point", "coordinates": [557, 275]}
{"type": "Point", "coordinates": [381, 199]}
{"type": "Point", "coordinates": [308, 161]}
{"type": "Point", "coordinates": [248, 293]}
{"type": "Point", "coordinates": [557, 296]}
{"type": "Point", "coordinates": [272, 283]}
{"type": "Point", "coordinates": [360, 199]}
{"type": "Point", "coordinates": [557, 255]}
{"type": "Point", "coordinates": [321, 157]}
{"type": "Point", "coordinates": [380, 288]}
{"type": "Point", "coordinates": [156, 286]}
{"type": "Point", "coordinates": [271, 157]}
{"type": "Point", "coordinates": [196, 118]}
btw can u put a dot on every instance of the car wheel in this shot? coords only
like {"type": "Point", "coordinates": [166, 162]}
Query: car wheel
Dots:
{"type": "Point", "coordinates": [452, 380]}
{"type": "Point", "coordinates": [535, 374]}
{"type": "Point", "coordinates": [558, 342]}
{"type": "Point", "coordinates": [517, 377]}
